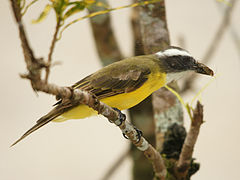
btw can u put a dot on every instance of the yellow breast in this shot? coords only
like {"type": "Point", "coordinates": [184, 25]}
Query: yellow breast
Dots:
{"type": "Point", "coordinates": [122, 101]}
{"type": "Point", "coordinates": [128, 100]}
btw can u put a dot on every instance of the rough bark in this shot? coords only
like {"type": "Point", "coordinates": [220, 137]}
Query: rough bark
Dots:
{"type": "Point", "coordinates": [141, 114]}
{"type": "Point", "coordinates": [85, 98]}
{"type": "Point", "coordinates": [167, 109]}
{"type": "Point", "coordinates": [185, 158]}
{"type": "Point", "coordinates": [155, 37]}
{"type": "Point", "coordinates": [105, 41]}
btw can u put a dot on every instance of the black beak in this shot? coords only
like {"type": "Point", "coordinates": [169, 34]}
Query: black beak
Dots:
{"type": "Point", "coordinates": [203, 69]}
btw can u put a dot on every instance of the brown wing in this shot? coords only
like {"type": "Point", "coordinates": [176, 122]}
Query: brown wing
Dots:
{"type": "Point", "coordinates": [114, 80]}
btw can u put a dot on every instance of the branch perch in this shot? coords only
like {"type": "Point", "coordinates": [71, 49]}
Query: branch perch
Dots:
{"type": "Point", "coordinates": [34, 67]}
{"type": "Point", "coordinates": [106, 43]}
{"type": "Point", "coordinates": [54, 40]}
{"type": "Point", "coordinates": [185, 158]}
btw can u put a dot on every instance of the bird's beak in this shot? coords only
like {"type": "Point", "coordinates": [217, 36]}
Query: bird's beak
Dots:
{"type": "Point", "coordinates": [203, 69]}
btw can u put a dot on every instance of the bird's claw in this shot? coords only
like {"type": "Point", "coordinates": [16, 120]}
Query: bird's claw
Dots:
{"type": "Point", "coordinates": [139, 134]}
{"type": "Point", "coordinates": [125, 136]}
{"type": "Point", "coordinates": [121, 116]}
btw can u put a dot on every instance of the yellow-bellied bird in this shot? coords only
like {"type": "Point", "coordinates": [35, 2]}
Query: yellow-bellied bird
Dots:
{"type": "Point", "coordinates": [126, 83]}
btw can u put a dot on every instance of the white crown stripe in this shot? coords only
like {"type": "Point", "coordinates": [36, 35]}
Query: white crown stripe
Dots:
{"type": "Point", "coordinates": [173, 52]}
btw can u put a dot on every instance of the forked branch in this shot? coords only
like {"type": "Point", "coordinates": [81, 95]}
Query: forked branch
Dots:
{"type": "Point", "coordinates": [185, 158]}
{"type": "Point", "coordinates": [35, 66]}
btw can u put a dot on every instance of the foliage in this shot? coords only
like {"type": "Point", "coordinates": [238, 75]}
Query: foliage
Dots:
{"type": "Point", "coordinates": [66, 8]}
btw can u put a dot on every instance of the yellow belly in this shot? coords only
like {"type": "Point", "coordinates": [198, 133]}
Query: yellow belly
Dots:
{"type": "Point", "coordinates": [121, 101]}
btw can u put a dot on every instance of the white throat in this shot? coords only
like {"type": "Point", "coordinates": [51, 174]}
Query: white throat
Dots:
{"type": "Point", "coordinates": [175, 76]}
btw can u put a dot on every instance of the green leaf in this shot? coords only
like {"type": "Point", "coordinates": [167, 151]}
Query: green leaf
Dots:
{"type": "Point", "coordinates": [59, 6]}
{"type": "Point", "coordinates": [43, 14]}
{"type": "Point", "coordinates": [77, 7]}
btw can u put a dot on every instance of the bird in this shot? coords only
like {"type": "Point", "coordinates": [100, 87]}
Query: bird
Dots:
{"type": "Point", "coordinates": [125, 83]}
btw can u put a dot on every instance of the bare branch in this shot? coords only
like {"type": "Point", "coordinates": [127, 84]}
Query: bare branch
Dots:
{"type": "Point", "coordinates": [28, 6]}
{"type": "Point", "coordinates": [105, 40]}
{"type": "Point", "coordinates": [155, 37]}
{"type": "Point", "coordinates": [105, 12]}
{"type": "Point", "coordinates": [168, 111]}
{"type": "Point", "coordinates": [34, 66]}
{"type": "Point", "coordinates": [188, 84]}
{"type": "Point", "coordinates": [234, 33]}
{"type": "Point", "coordinates": [137, 39]}
{"type": "Point", "coordinates": [112, 115]}
{"type": "Point", "coordinates": [185, 158]}
{"type": "Point", "coordinates": [54, 40]}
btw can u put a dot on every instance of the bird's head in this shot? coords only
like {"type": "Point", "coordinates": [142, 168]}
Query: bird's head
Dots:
{"type": "Point", "coordinates": [176, 62]}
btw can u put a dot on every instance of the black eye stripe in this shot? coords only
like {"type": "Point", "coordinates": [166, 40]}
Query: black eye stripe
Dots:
{"type": "Point", "coordinates": [178, 63]}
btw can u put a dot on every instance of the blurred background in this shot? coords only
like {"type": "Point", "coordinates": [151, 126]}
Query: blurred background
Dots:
{"type": "Point", "coordinates": [86, 149]}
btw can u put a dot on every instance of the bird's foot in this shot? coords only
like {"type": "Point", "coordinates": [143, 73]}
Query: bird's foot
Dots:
{"type": "Point", "coordinates": [121, 116]}
{"type": "Point", "coordinates": [139, 134]}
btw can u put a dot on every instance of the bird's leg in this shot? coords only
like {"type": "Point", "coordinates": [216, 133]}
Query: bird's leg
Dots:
{"type": "Point", "coordinates": [121, 116]}
{"type": "Point", "coordinates": [139, 134]}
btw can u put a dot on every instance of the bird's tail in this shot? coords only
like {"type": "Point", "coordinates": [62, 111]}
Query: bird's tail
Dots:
{"type": "Point", "coordinates": [41, 122]}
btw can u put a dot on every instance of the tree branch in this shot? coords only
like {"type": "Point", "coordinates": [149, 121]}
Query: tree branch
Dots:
{"type": "Point", "coordinates": [185, 158]}
{"type": "Point", "coordinates": [77, 95]}
{"type": "Point", "coordinates": [142, 114]}
{"type": "Point", "coordinates": [155, 37]}
{"type": "Point", "coordinates": [188, 83]}
{"type": "Point", "coordinates": [234, 33]}
{"type": "Point", "coordinates": [54, 40]}
{"type": "Point", "coordinates": [105, 40]}
{"type": "Point", "coordinates": [33, 64]}
{"type": "Point", "coordinates": [137, 39]}
{"type": "Point", "coordinates": [113, 116]}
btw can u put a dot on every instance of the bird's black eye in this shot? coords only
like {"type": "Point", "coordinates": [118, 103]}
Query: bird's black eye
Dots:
{"type": "Point", "coordinates": [178, 63]}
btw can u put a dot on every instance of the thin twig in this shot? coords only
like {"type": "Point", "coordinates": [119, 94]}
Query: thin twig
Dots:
{"type": "Point", "coordinates": [188, 83]}
{"type": "Point", "coordinates": [28, 6]}
{"type": "Point", "coordinates": [34, 65]}
{"type": "Point", "coordinates": [54, 40]}
{"type": "Point", "coordinates": [106, 11]}
{"type": "Point", "coordinates": [234, 33]}
{"type": "Point", "coordinates": [185, 158]}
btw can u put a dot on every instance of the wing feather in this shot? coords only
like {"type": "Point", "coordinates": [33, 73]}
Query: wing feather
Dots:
{"type": "Point", "coordinates": [117, 78]}
{"type": "Point", "coordinates": [109, 83]}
